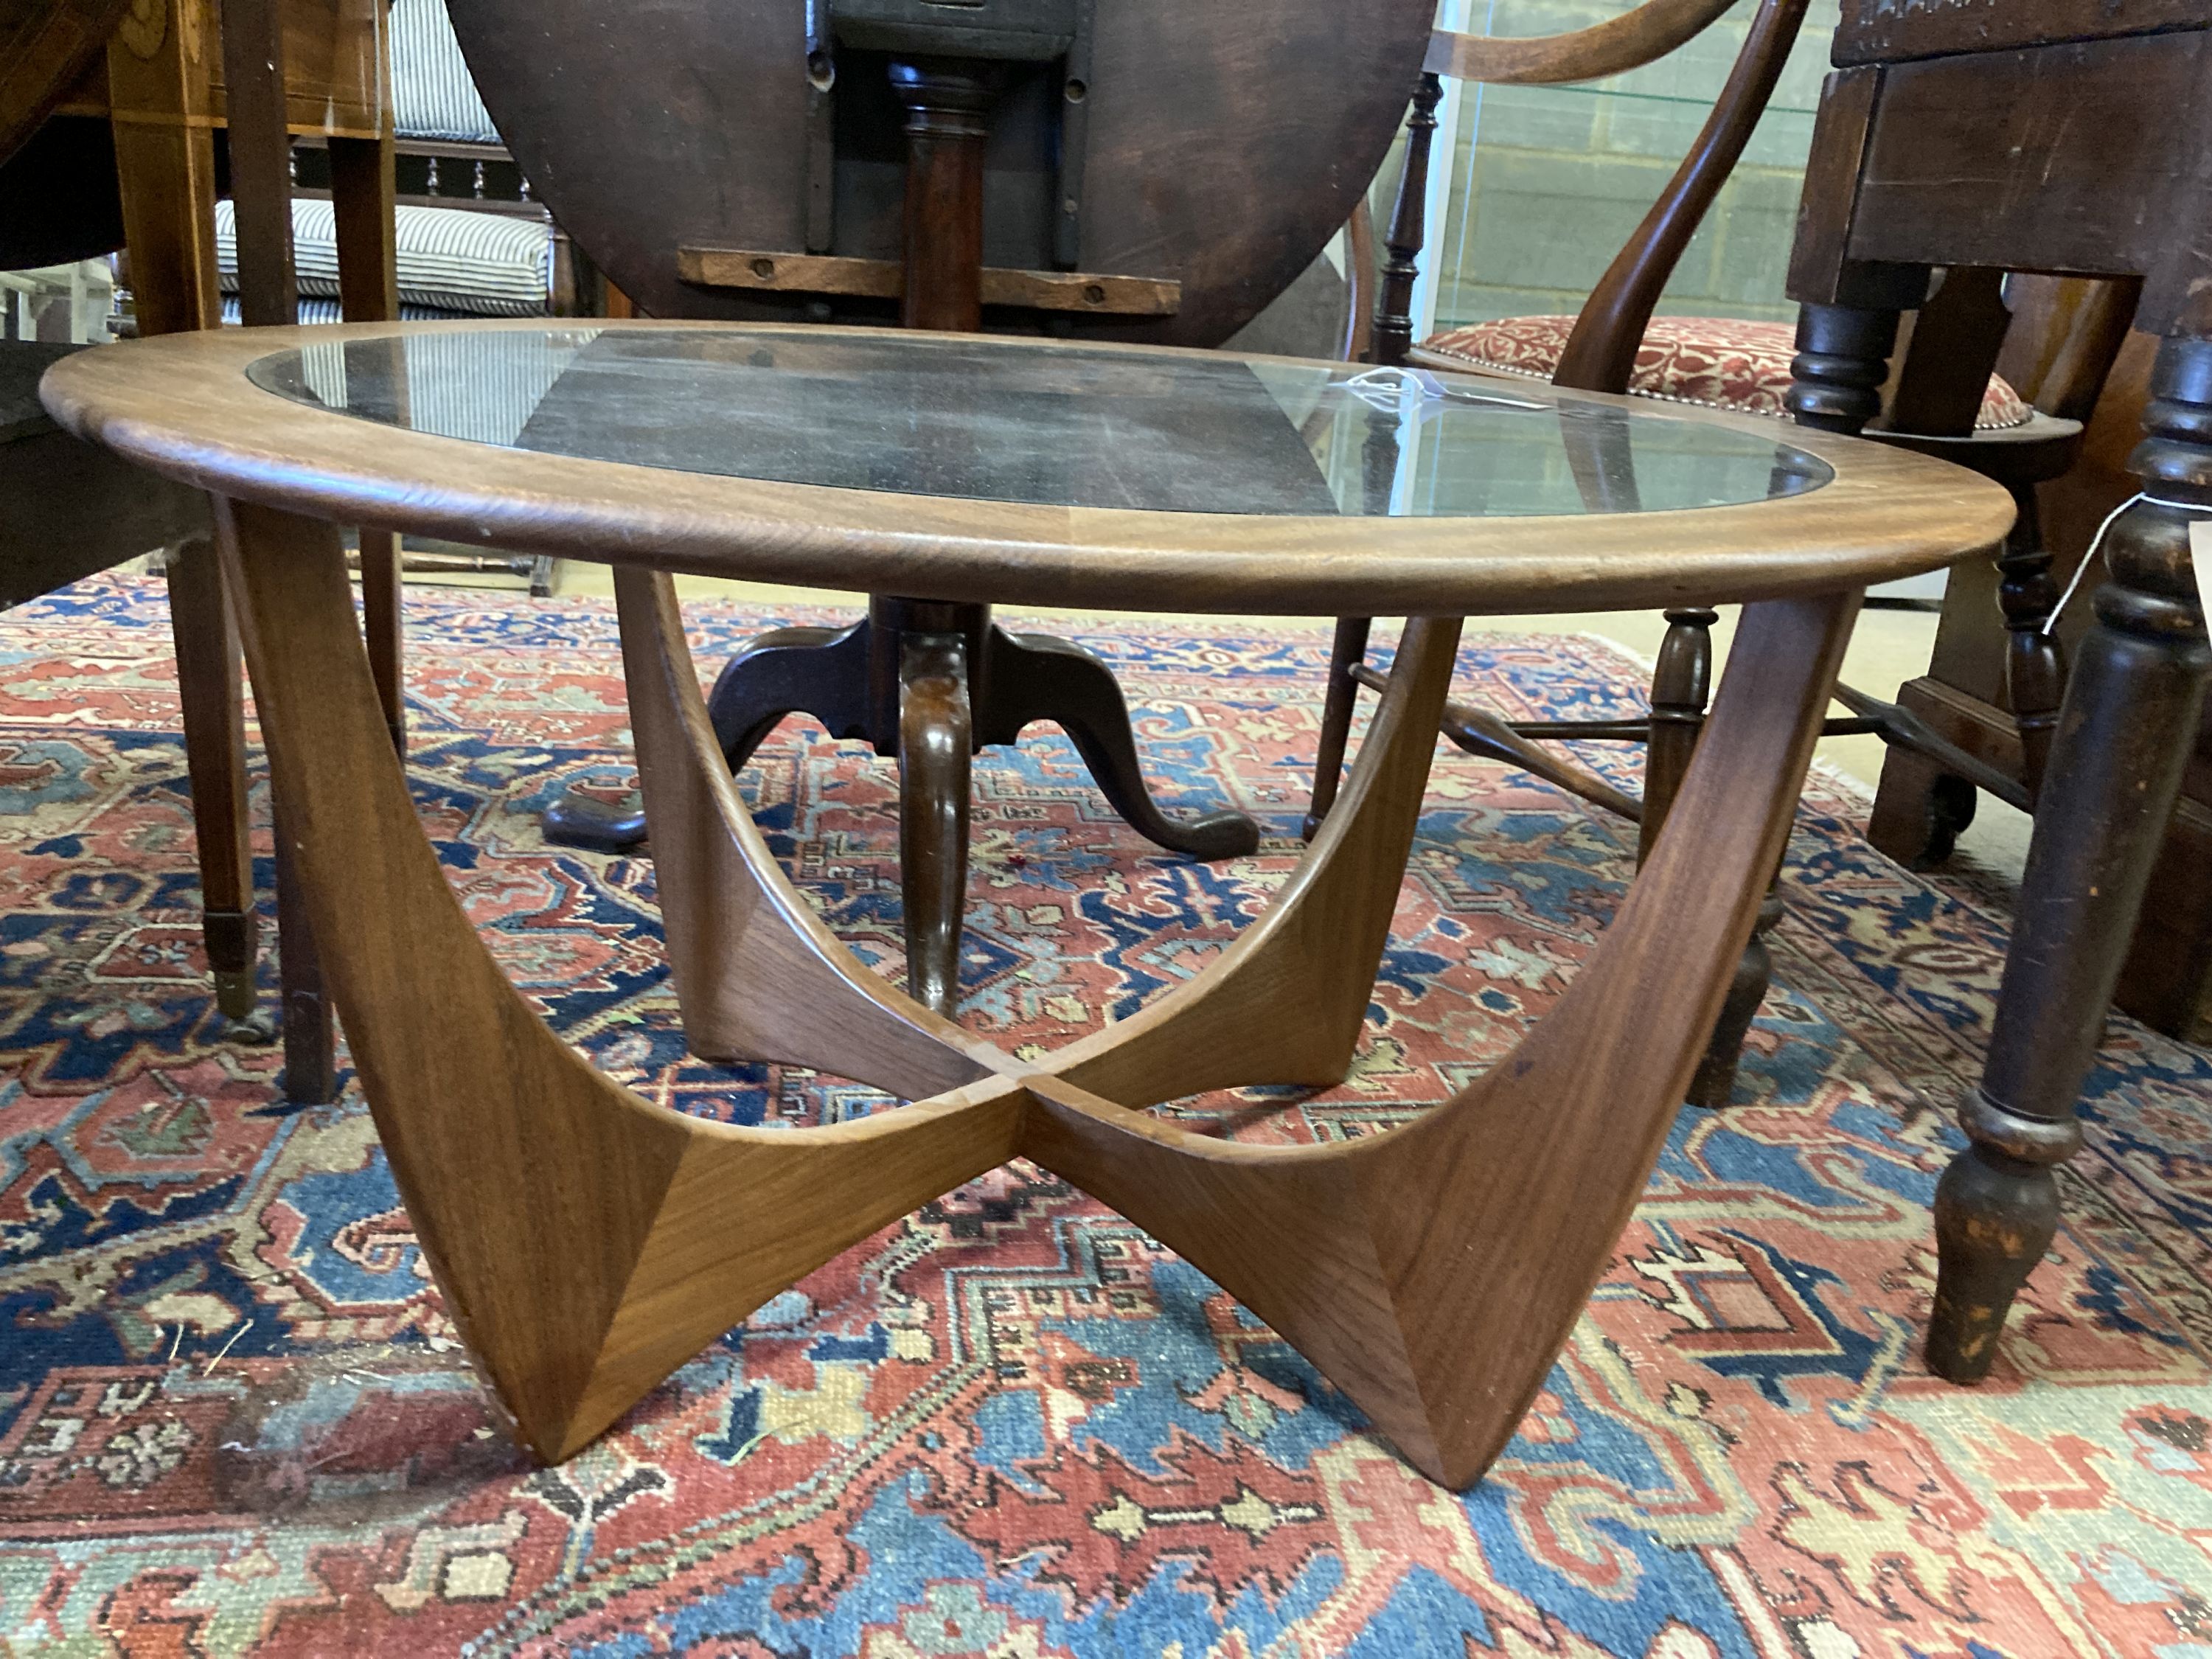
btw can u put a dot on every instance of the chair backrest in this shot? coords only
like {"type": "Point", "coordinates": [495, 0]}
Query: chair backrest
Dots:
{"type": "Point", "coordinates": [1602, 351]}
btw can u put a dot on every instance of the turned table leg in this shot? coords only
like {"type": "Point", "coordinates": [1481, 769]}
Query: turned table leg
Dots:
{"type": "Point", "coordinates": [2115, 768]}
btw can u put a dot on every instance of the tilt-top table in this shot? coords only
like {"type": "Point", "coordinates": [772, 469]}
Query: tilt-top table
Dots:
{"type": "Point", "coordinates": [588, 1242]}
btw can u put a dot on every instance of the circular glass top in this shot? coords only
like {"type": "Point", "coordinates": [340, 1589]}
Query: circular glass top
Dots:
{"type": "Point", "coordinates": [1042, 424]}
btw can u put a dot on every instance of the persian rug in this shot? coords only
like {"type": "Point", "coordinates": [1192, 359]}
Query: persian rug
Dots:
{"type": "Point", "coordinates": [234, 1418]}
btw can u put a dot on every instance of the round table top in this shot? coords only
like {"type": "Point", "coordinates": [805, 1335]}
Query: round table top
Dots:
{"type": "Point", "coordinates": [1003, 469]}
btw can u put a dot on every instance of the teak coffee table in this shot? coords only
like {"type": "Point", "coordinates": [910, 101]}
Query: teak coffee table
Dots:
{"type": "Point", "coordinates": [588, 1242]}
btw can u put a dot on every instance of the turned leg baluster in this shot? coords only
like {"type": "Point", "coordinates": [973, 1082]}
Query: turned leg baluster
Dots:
{"type": "Point", "coordinates": [2035, 671]}
{"type": "Point", "coordinates": [2115, 769]}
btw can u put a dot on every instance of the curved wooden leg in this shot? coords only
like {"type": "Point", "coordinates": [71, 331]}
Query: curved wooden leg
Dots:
{"type": "Point", "coordinates": [588, 1242]}
{"type": "Point", "coordinates": [757, 973]}
{"type": "Point", "coordinates": [2115, 770]}
{"type": "Point", "coordinates": [1347, 651]}
{"type": "Point", "coordinates": [936, 743]}
{"type": "Point", "coordinates": [1034, 677]}
{"type": "Point", "coordinates": [214, 715]}
{"type": "Point", "coordinates": [1433, 1272]}
{"type": "Point", "coordinates": [2035, 668]}
{"type": "Point", "coordinates": [1286, 1002]}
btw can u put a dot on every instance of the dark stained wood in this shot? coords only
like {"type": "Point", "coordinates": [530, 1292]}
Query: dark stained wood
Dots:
{"type": "Point", "coordinates": [948, 112]}
{"type": "Point", "coordinates": [2041, 142]}
{"type": "Point", "coordinates": [213, 715]}
{"type": "Point", "coordinates": [1841, 364]}
{"type": "Point", "coordinates": [1189, 108]}
{"type": "Point", "coordinates": [885, 279]}
{"type": "Point", "coordinates": [182, 405]}
{"type": "Point", "coordinates": [2139, 679]}
{"type": "Point", "coordinates": [1949, 355]}
{"type": "Point", "coordinates": [2070, 332]}
{"type": "Point", "coordinates": [848, 681]}
{"type": "Point", "coordinates": [1960, 145]}
{"type": "Point", "coordinates": [936, 738]}
{"type": "Point", "coordinates": [1347, 653]}
{"type": "Point", "coordinates": [260, 151]}
{"type": "Point", "coordinates": [1890, 31]}
{"type": "Point", "coordinates": [1608, 331]}
{"type": "Point", "coordinates": [1681, 685]}
{"type": "Point", "coordinates": [1635, 38]}
{"type": "Point", "coordinates": [71, 509]}
{"type": "Point", "coordinates": [1394, 307]}
{"type": "Point", "coordinates": [1820, 269]}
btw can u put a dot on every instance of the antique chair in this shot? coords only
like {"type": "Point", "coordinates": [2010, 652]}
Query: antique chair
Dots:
{"type": "Point", "coordinates": [2078, 142]}
{"type": "Point", "coordinates": [2064, 330]}
{"type": "Point", "coordinates": [114, 143]}
{"type": "Point", "coordinates": [1616, 344]}
{"type": "Point", "coordinates": [67, 509]}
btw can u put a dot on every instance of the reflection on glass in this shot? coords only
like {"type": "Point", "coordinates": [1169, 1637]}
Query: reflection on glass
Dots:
{"type": "Point", "coordinates": [1018, 421]}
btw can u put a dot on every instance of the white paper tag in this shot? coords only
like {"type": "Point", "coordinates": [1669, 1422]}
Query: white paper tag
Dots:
{"type": "Point", "coordinates": [2200, 557]}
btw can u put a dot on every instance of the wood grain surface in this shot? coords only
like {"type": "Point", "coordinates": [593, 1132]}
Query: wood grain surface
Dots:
{"type": "Point", "coordinates": [1892, 31]}
{"type": "Point", "coordinates": [1225, 143]}
{"type": "Point", "coordinates": [184, 407]}
{"type": "Point", "coordinates": [1612, 48]}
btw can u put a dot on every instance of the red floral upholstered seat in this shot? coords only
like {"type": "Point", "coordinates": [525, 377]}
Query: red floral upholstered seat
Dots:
{"type": "Point", "coordinates": [1717, 361]}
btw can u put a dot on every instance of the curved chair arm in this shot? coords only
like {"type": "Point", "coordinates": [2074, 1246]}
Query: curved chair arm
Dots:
{"type": "Point", "coordinates": [1628, 41]}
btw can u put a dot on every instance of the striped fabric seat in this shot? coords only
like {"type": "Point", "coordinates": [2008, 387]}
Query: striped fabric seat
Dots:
{"type": "Point", "coordinates": [484, 264]}
{"type": "Point", "coordinates": [432, 94]}
{"type": "Point", "coordinates": [327, 311]}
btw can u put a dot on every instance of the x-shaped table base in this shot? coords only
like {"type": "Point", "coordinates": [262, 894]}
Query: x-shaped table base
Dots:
{"type": "Point", "coordinates": [588, 1242]}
